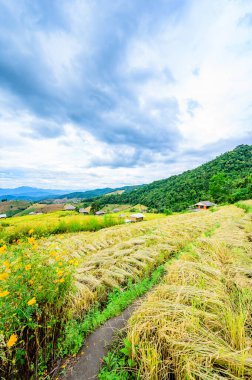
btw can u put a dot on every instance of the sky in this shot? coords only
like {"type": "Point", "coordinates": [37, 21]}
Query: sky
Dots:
{"type": "Point", "coordinates": [97, 93]}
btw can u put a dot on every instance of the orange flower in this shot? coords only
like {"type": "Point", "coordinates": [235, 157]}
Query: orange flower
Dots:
{"type": "Point", "coordinates": [13, 339]}
{"type": "Point", "coordinates": [32, 301]}
{"type": "Point", "coordinates": [4, 293]}
{"type": "Point", "coordinates": [3, 276]}
{"type": "Point", "coordinates": [28, 267]}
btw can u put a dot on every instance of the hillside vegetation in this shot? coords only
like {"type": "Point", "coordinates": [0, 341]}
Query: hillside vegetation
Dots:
{"type": "Point", "coordinates": [225, 179]}
{"type": "Point", "coordinates": [49, 287]}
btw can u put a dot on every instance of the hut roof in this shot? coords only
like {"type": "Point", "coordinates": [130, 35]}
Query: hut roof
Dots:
{"type": "Point", "coordinates": [139, 215]}
{"type": "Point", "coordinates": [205, 203]}
{"type": "Point", "coordinates": [100, 212]}
{"type": "Point", "coordinates": [83, 210]}
{"type": "Point", "coordinates": [3, 215]}
{"type": "Point", "coordinates": [69, 207]}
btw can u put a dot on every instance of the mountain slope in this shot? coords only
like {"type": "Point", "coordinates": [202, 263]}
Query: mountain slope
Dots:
{"type": "Point", "coordinates": [96, 192]}
{"type": "Point", "coordinates": [224, 179]}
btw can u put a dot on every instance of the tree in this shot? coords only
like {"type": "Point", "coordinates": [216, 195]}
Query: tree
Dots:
{"type": "Point", "coordinates": [219, 187]}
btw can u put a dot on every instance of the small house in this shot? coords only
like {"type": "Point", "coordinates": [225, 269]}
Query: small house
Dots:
{"type": "Point", "coordinates": [204, 205]}
{"type": "Point", "coordinates": [83, 211]}
{"type": "Point", "coordinates": [136, 217]}
{"type": "Point", "coordinates": [100, 212]}
{"type": "Point", "coordinates": [116, 210]}
{"type": "Point", "coordinates": [69, 208]}
{"type": "Point", "coordinates": [3, 216]}
{"type": "Point", "coordinates": [32, 213]}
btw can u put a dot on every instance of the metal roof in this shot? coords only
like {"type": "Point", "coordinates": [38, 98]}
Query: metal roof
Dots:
{"type": "Point", "coordinates": [139, 215]}
{"type": "Point", "coordinates": [205, 203]}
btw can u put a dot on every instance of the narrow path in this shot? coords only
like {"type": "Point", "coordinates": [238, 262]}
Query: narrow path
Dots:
{"type": "Point", "coordinates": [96, 347]}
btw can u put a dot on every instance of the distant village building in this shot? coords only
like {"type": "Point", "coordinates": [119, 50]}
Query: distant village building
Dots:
{"type": "Point", "coordinates": [122, 215]}
{"type": "Point", "coordinates": [116, 210]}
{"type": "Point", "coordinates": [32, 213]}
{"type": "Point", "coordinates": [69, 208]}
{"type": "Point", "coordinates": [204, 205]}
{"type": "Point", "coordinates": [100, 213]}
{"type": "Point", "coordinates": [3, 216]}
{"type": "Point", "coordinates": [83, 211]}
{"type": "Point", "coordinates": [136, 217]}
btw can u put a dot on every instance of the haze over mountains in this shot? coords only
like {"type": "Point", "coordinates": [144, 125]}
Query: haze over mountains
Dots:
{"type": "Point", "coordinates": [37, 194]}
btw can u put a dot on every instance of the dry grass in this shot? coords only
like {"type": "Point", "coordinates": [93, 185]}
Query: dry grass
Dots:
{"type": "Point", "coordinates": [110, 257]}
{"type": "Point", "coordinates": [197, 323]}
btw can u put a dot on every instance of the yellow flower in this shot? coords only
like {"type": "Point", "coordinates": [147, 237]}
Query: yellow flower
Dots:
{"type": "Point", "coordinates": [28, 267]}
{"type": "Point", "coordinates": [31, 240]}
{"type": "Point", "coordinates": [13, 339]}
{"type": "Point", "coordinates": [3, 249]}
{"type": "Point", "coordinates": [4, 293]}
{"type": "Point", "coordinates": [6, 264]}
{"type": "Point", "coordinates": [61, 280]}
{"type": "Point", "coordinates": [53, 253]}
{"type": "Point", "coordinates": [32, 301]}
{"type": "Point", "coordinates": [31, 282]}
{"type": "Point", "coordinates": [3, 276]}
{"type": "Point", "coordinates": [71, 262]}
{"type": "Point", "coordinates": [31, 231]}
{"type": "Point", "coordinates": [59, 272]}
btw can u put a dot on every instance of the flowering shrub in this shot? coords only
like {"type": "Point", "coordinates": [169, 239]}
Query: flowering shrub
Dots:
{"type": "Point", "coordinates": [34, 284]}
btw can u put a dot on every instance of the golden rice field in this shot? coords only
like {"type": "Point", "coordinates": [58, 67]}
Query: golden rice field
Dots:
{"type": "Point", "coordinates": [46, 283]}
{"type": "Point", "coordinates": [16, 228]}
{"type": "Point", "coordinates": [197, 324]}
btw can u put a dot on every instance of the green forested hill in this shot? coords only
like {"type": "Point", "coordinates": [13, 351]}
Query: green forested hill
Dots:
{"type": "Point", "coordinates": [227, 178]}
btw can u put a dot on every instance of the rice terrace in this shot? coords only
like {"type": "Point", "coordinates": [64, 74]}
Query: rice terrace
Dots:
{"type": "Point", "coordinates": [195, 324]}
{"type": "Point", "coordinates": [126, 190]}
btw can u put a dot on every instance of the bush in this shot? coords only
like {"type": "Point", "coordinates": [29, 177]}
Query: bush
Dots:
{"type": "Point", "coordinates": [34, 287]}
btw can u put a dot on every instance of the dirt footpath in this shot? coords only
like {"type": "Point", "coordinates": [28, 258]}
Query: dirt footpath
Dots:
{"type": "Point", "coordinates": [96, 347]}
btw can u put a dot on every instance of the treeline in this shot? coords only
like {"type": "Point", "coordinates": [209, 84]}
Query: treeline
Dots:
{"type": "Point", "coordinates": [228, 178]}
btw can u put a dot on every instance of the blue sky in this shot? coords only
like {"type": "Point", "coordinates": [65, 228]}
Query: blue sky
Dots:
{"type": "Point", "coordinates": [97, 93]}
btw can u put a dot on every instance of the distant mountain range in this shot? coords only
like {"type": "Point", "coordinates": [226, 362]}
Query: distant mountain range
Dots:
{"type": "Point", "coordinates": [35, 194]}
{"type": "Point", "coordinates": [29, 193]}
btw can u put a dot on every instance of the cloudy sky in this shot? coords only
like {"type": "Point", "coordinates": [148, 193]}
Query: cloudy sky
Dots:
{"type": "Point", "coordinates": [97, 93]}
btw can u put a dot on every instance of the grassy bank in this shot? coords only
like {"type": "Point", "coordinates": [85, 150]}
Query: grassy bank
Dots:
{"type": "Point", "coordinates": [197, 322]}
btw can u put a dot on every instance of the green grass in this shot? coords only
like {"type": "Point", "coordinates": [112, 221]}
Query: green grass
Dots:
{"type": "Point", "coordinates": [246, 206]}
{"type": "Point", "coordinates": [50, 224]}
{"type": "Point", "coordinates": [58, 222]}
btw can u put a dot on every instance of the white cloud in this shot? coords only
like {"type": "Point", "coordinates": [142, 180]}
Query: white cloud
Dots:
{"type": "Point", "coordinates": [202, 55]}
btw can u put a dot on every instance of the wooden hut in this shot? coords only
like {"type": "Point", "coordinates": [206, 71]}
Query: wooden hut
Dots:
{"type": "Point", "coordinates": [204, 205]}
{"type": "Point", "coordinates": [136, 217]}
